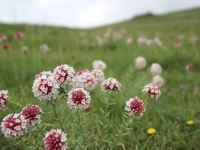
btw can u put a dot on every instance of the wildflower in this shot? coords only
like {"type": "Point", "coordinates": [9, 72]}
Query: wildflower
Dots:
{"type": "Point", "coordinates": [3, 38]}
{"type": "Point", "coordinates": [189, 67]}
{"type": "Point", "coordinates": [55, 140]}
{"type": "Point", "coordinates": [24, 49]}
{"type": "Point", "coordinates": [152, 90]}
{"type": "Point", "coordinates": [44, 73]}
{"type": "Point", "coordinates": [158, 81]}
{"type": "Point", "coordinates": [6, 46]}
{"type": "Point", "coordinates": [44, 48]}
{"type": "Point", "coordinates": [151, 131]}
{"type": "Point", "coordinates": [141, 40]}
{"type": "Point", "coordinates": [3, 98]}
{"type": "Point", "coordinates": [135, 107]}
{"type": "Point", "coordinates": [156, 69]}
{"type": "Point", "coordinates": [32, 114]}
{"type": "Point", "coordinates": [99, 75]}
{"type": "Point", "coordinates": [158, 42]}
{"type": "Point", "coordinates": [79, 99]}
{"type": "Point", "coordinates": [64, 74]}
{"type": "Point", "coordinates": [99, 64]}
{"type": "Point", "coordinates": [129, 41]}
{"type": "Point", "coordinates": [18, 35]}
{"type": "Point", "coordinates": [178, 43]}
{"type": "Point", "coordinates": [190, 122]}
{"type": "Point", "coordinates": [110, 85]}
{"type": "Point", "coordinates": [13, 125]}
{"type": "Point", "coordinates": [45, 87]}
{"type": "Point", "coordinates": [85, 80]}
{"type": "Point", "coordinates": [140, 62]}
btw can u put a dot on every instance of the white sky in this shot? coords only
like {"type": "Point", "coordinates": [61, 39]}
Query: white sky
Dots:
{"type": "Point", "coordinates": [84, 13]}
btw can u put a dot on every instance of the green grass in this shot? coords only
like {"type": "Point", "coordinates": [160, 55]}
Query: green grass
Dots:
{"type": "Point", "coordinates": [17, 71]}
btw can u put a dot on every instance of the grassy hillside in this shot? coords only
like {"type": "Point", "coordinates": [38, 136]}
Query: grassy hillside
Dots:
{"type": "Point", "coordinates": [78, 48]}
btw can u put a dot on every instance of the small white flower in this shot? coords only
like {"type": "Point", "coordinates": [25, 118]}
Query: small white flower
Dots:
{"type": "Point", "coordinates": [140, 62]}
{"type": "Point", "coordinates": [158, 81]}
{"type": "Point", "coordinates": [156, 69]}
{"type": "Point", "coordinates": [99, 64]}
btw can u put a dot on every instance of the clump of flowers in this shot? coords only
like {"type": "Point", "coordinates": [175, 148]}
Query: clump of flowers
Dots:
{"type": "Point", "coordinates": [64, 74]}
{"type": "Point", "coordinates": [158, 81]}
{"type": "Point", "coordinates": [110, 85]}
{"type": "Point", "coordinates": [135, 107]}
{"type": "Point", "coordinates": [99, 75]}
{"type": "Point", "coordinates": [189, 67]}
{"type": "Point", "coordinates": [156, 69]}
{"type": "Point", "coordinates": [45, 87]}
{"type": "Point", "coordinates": [3, 98]}
{"type": "Point", "coordinates": [140, 62]}
{"type": "Point", "coordinates": [18, 35]}
{"type": "Point", "coordinates": [85, 80]}
{"type": "Point", "coordinates": [32, 114]}
{"type": "Point", "coordinates": [13, 125]}
{"type": "Point", "coordinates": [55, 140]}
{"type": "Point", "coordinates": [99, 64]}
{"type": "Point", "coordinates": [152, 90]}
{"type": "Point", "coordinates": [78, 99]}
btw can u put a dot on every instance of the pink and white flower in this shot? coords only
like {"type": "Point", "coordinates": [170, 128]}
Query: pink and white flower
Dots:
{"type": "Point", "coordinates": [18, 35]}
{"type": "Point", "coordinates": [85, 80]}
{"type": "Point", "coordinates": [3, 38]}
{"type": "Point", "coordinates": [140, 62]}
{"type": "Point", "coordinates": [45, 87]}
{"type": "Point", "coordinates": [99, 64]}
{"type": "Point", "coordinates": [189, 67]}
{"type": "Point", "coordinates": [64, 74]}
{"type": "Point", "coordinates": [13, 125]}
{"type": "Point", "coordinates": [135, 107]}
{"type": "Point", "coordinates": [110, 85]}
{"type": "Point", "coordinates": [32, 114]}
{"type": "Point", "coordinates": [55, 140]}
{"type": "Point", "coordinates": [78, 99]}
{"type": "Point", "coordinates": [158, 81]}
{"type": "Point", "coordinates": [44, 48]}
{"type": "Point", "coordinates": [156, 69]}
{"type": "Point", "coordinates": [99, 75]}
{"type": "Point", "coordinates": [3, 99]}
{"type": "Point", "coordinates": [152, 90]}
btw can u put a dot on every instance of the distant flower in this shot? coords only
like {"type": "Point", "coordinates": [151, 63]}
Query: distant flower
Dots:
{"type": "Point", "coordinates": [110, 85]}
{"type": "Point", "coordinates": [156, 69]}
{"type": "Point", "coordinates": [6, 46]}
{"type": "Point", "coordinates": [178, 43]}
{"type": "Point", "coordinates": [140, 62]}
{"type": "Point", "coordinates": [99, 64]}
{"type": "Point", "coordinates": [190, 122]}
{"type": "Point", "coordinates": [55, 140]}
{"type": "Point", "coordinates": [85, 80]}
{"type": "Point", "coordinates": [24, 49]}
{"type": "Point", "coordinates": [158, 42]}
{"type": "Point", "coordinates": [99, 75]}
{"type": "Point", "coordinates": [141, 40]}
{"type": "Point", "coordinates": [129, 41]}
{"type": "Point", "coordinates": [45, 87]}
{"type": "Point", "coordinates": [3, 99]}
{"type": "Point", "coordinates": [32, 114]}
{"type": "Point", "coordinates": [135, 107]}
{"type": "Point", "coordinates": [149, 42]}
{"type": "Point", "coordinates": [178, 118]}
{"type": "Point", "coordinates": [151, 131]}
{"type": "Point", "coordinates": [189, 67]}
{"type": "Point", "coordinates": [13, 125]}
{"type": "Point", "coordinates": [158, 81]}
{"type": "Point", "coordinates": [64, 74]}
{"type": "Point", "coordinates": [44, 48]}
{"type": "Point", "coordinates": [152, 90]}
{"type": "Point", "coordinates": [18, 35]}
{"type": "Point", "coordinates": [3, 38]}
{"type": "Point", "coordinates": [79, 99]}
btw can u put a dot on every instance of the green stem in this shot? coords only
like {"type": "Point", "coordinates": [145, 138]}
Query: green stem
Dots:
{"type": "Point", "coordinates": [56, 115]}
{"type": "Point", "coordinates": [79, 122]}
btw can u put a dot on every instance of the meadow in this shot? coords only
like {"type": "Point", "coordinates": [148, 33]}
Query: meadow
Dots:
{"type": "Point", "coordinates": [103, 126]}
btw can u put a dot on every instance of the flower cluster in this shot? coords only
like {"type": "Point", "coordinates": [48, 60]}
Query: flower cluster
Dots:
{"type": "Point", "coordinates": [78, 99]}
{"type": "Point", "coordinates": [55, 140]}
{"type": "Point", "coordinates": [135, 107]}
{"type": "Point", "coordinates": [152, 90]}
{"type": "Point", "coordinates": [13, 125]}
{"type": "Point", "coordinates": [3, 98]}
{"type": "Point", "coordinates": [110, 85]}
{"type": "Point", "coordinates": [45, 87]}
{"type": "Point", "coordinates": [32, 114]}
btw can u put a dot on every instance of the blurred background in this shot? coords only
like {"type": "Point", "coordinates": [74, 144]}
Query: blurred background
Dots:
{"type": "Point", "coordinates": [84, 13]}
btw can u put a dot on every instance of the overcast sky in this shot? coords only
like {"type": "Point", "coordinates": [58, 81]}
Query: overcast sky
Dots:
{"type": "Point", "coordinates": [84, 13]}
